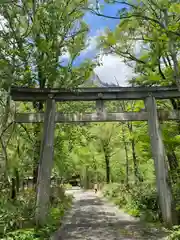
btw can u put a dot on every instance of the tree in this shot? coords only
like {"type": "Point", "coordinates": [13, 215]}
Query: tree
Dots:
{"type": "Point", "coordinates": [152, 27]}
{"type": "Point", "coordinates": [34, 36]}
{"type": "Point", "coordinates": [105, 143]}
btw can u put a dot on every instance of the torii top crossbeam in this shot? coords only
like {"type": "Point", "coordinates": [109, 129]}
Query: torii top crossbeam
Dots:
{"type": "Point", "coordinates": [93, 94]}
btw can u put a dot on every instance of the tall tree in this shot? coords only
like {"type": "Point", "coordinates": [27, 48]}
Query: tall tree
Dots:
{"type": "Point", "coordinates": [106, 140]}
{"type": "Point", "coordinates": [152, 27]}
{"type": "Point", "coordinates": [35, 36]}
{"type": "Point", "coordinates": [35, 39]}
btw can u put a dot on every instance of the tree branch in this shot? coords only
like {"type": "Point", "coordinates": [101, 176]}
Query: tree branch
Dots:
{"type": "Point", "coordinates": [133, 16]}
{"type": "Point", "coordinates": [25, 129]}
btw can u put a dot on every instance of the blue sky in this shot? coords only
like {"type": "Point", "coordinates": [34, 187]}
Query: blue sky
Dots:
{"type": "Point", "coordinates": [113, 69]}
{"type": "Point", "coordinates": [98, 24]}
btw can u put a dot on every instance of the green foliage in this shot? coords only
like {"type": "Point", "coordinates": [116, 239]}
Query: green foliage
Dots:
{"type": "Point", "coordinates": [17, 218]}
{"type": "Point", "coordinates": [18, 213]}
{"type": "Point", "coordinates": [139, 200]}
{"type": "Point", "coordinates": [175, 234]}
{"type": "Point", "coordinates": [43, 43]}
{"type": "Point", "coordinates": [41, 52]}
{"type": "Point", "coordinates": [68, 186]}
{"type": "Point", "coordinates": [148, 36]}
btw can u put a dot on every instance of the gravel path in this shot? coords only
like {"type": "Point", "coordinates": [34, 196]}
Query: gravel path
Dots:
{"type": "Point", "coordinates": [93, 218]}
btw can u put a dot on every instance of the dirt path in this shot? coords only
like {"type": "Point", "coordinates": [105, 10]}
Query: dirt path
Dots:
{"type": "Point", "coordinates": [92, 218]}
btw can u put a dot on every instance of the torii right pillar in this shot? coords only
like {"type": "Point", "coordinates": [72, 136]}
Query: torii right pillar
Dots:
{"type": "Point", "coordinates": [160, 162]}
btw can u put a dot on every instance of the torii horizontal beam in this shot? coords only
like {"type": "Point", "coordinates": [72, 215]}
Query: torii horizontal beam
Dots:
{"type": "Point", "coordinates": [95, 117]}
{"type": "Point", "coordinates": [93, 94]}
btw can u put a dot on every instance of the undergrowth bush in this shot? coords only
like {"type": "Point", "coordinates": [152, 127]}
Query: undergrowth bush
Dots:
{"type": "Point", "coordinates": [67, 186]}
{"type": "Point", "coordinates": [175, 234]}
{"type": "Point", "coordinates": [15, 214]}
{"type": "Point", "coordinates": [139, 200]}
{"type": "Point", "coordinates": [17, 217]}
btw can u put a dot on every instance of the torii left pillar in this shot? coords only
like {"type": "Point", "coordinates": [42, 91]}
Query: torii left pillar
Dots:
{"type": "Point", "coordinates": [46, 164]}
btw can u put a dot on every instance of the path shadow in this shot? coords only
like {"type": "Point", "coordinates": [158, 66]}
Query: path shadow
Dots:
{"type": "Point", "coordinates": [91, 201]}
{"type": "Point", "coordinates": [92, 219]}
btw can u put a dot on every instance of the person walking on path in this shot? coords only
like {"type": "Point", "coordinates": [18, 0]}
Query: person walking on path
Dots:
{"type": "Point", "coordinates": [95, 188]}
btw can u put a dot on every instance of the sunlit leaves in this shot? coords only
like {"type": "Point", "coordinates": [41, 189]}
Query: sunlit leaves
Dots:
{"type": "Point", "coordinates": [175, 8]}
{"type": "Point", "coordinates": [154, 26]}
{"type": "Point", "coordinates": [111, 40]}
{"type": "Point", "coordinates": [38, 33]}
{"type": "Point", "coordinates": [33, 38]}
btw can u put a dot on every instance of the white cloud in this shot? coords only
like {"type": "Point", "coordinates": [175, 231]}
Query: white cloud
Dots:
{"type": "Point", "coordinates": [138, 45]}
{"type": "Point", "coordinates": [95, 5]}
{"type": "Point", "coordinates": [92, 42]}
{"type": "Point", "coordinates": [114, 70]}
{"type": "Point", "coordinates": [91, 45]}
{"type": "Point", "coordinates": [65, 55]}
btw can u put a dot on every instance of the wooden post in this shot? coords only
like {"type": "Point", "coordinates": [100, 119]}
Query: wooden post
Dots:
{"type": "Point", "coordinates": [100, 106]}
{"type": "Point", "coordinates": [161, 169]}
{"type": "Point", "coordinates": [46, 163]}
{"type": "Point", "coordinates": [100, 109]}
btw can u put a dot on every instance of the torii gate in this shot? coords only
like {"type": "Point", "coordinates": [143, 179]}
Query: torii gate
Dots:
{"type": "Point", "coordinates": [99, 95]}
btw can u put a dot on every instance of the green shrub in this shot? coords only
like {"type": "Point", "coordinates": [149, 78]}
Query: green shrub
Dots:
{"type": "Point", "coordinates": [175, 235]}
{"type": "Point", "coordinates": [23, 234]}
{"type": "Point", "coordinates": [116, 192]}
{"type": "Point", "coordinates": [139, 200]}
{"type": "Point", "coordinates": [67, 186]}
{"type": "Point", "coordinates": [16, 218]}
{"type": "Point", "coordinates": [17, 214]}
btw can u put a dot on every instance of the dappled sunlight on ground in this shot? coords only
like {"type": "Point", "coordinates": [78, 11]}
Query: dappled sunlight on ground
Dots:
{"type": "Point", "coordinates": [92, 218]}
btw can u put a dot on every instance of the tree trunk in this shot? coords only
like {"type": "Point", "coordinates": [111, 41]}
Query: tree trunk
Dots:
{"type": "Point", "coordinates": [13, 189]}
{"type": "Point", "coordinates": [38, 106]}
{"type": "Point", "coordinates": [173, 165]}
{"type": "Point", "coordinates": [173, 162]}
{"type": "Point", "coordinates": [136, 170]}
{"type": "Point", "coordinates": [5, 155]}
{"type": "Point", "coordinates": [95, 169]}
{"type": "Point", "coordinates": [17, 180]}
{"type": "Point", "coordinates": [134, 159]}
{"type": "Point", "coordinates": [35, 172]}
{"type": "Point", "coordinates": [126, 153]}
{"type": "Point", "coordinates": [107, 168]}
{"type": "Point", "coordinates": [23, 184]}
{"type": "Point", "coordinates": [176, 106]}
{"type": "Point", "coordinates": [37, 146]}
{"type": "Point", "coordinates": [85, 178]}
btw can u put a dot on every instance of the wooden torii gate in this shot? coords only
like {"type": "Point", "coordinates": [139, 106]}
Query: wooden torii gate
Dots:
{"type": "Point", "coordinates": [99, 95]}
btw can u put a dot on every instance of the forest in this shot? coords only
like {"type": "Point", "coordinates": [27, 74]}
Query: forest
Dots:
{"type": "Point", "coordinates": [34, 37]}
